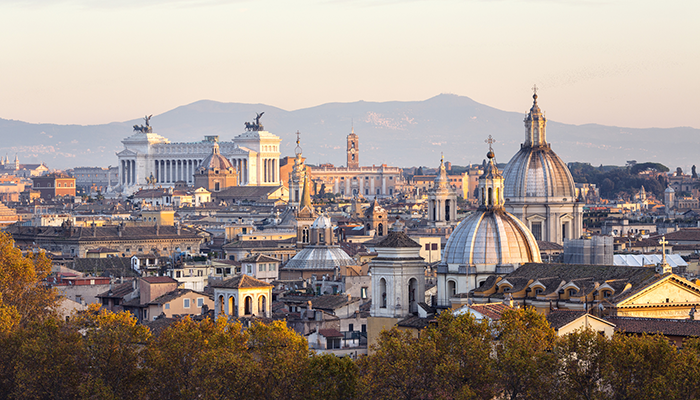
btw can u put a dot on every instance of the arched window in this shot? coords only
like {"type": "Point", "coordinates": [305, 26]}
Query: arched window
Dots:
{"type": "Point", "coordinates": [447, 210]}
{"type": "Point", "coordinates": [305, 234]}
{"type": "Point", "coordinates": [380, 229]}
{"type": "Point", "coordinates": [222, 310]}
{"type": "Point", "coordinates": [382, 291]}
{"type": "Point", "coordinates": [451, 288]}
{"type": "Point", "coordinates": [231, 305]}
{"type": "Point", "coordinates": [261, 305]}
{"type": "Point", "coordinates": [248, 305]}
{"type": "Point", "coordinates": [490, 196]}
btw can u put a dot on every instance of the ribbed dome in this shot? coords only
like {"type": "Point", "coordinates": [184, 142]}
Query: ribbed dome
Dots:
{"type": "Point", "coordinates": [491, 237]}
{"type": "Point", "coordinates": [216, 161]}
{"type": "Point", "coordinates": [537, 172]}
{"type": "Point", "coordinates": [320, 257]}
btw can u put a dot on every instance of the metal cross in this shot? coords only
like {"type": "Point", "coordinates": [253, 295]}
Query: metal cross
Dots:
{"type": "Point", "coordinates": [534, 89]}
{"type": "Point", "coordinates": [490, 141]}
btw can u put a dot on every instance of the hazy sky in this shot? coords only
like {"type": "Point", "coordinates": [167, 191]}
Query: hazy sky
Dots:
{"type": "Point", "coordinates": [632, 63]}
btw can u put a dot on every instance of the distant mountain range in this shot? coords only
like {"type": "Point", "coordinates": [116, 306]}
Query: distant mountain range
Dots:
{"type": "Point", "coordinates": [396, 133]}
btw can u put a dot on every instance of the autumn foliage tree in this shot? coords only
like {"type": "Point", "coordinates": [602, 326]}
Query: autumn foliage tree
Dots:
{"type": "Point", "coordinates": [23, 295]}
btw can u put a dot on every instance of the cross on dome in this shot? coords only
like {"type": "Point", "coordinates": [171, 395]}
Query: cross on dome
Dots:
{"type": "Point", "coordinates": [490, 141]}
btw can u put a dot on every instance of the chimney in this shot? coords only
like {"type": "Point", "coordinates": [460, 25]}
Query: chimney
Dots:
{"type": "Point", "coordinates": [349, 297]}
{"type": "Point", "coordinates": [157, 229]}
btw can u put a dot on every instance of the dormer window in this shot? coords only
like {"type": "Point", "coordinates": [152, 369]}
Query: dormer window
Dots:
{"type": "Point", "coordinates": [538, 291]}
{"type": "Point", "coordinates": [572, 292]}
{"type": "Point", "coordinates": [506, 289]}
{"type": "Point", "coordinates": [607, 294]}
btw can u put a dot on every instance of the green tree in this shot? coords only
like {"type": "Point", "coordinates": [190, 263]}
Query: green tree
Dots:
{"type": "Point", "coordinates": [281, 356]}
{"type": "Point", "coordinates": [402, 367]}
{"type": "Point", "coordinates": [464, 368]}
{"type": "Point", "coordinates": [636, 367]}
{"type": "Point", "coordinates": [331, 378]}
{"type": "Point", "coordinates": [524, 362]}
{"type": "Point", "coordinates": [581, 355]}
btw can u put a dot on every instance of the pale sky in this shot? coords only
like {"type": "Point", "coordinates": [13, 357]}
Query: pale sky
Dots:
{"type": "Point", "coordinates": [633, 63]}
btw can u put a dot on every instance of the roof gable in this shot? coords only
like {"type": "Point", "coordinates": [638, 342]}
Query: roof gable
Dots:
{"type": "Point", "coordinates": [657, 292]}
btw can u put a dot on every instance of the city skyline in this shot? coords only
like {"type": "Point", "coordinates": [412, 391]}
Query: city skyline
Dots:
{"type": "Point", "coordinates": [618, 63]}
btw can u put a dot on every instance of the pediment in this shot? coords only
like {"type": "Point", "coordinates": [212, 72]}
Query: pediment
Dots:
{"type": "Point", "coordinates": [126, 153]}
{"type": "Point", "coordinates": [666, 291]}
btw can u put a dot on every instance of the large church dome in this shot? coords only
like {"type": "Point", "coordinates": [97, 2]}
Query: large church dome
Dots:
{"type": "Point", "coordinates": [491, 236]}
{"type": "Point", "coordinates": [536, 171]}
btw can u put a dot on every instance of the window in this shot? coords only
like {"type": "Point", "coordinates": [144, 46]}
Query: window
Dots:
{"type": "Point", "coordinates": [186, 303]}
{"type": "Point", "coordinates": [434, 246]}
{"type": "Point", "coordinates": [145, 314]}
{"type": "Point", "coordinates": [249, 268]}
{"type": "Point", "coordinates": [607, 293]}
{"type": "Point", "coordinates": [167, 306]}
{"type": "Point", "coordinates": [273, 267]}
{"type": "Point", "coordinates": [427, 246]}
{"type": "Point", "coordinates": [572, 292]}
{"type": "Point", "coordinates": [219, 271]}
{"type": "Point", "coordinates": [538, 291]}
{"type": "Point", "coordinates": [363, 292]}
{"type": "Point", "coordinates": [351, 327]}
{"type": "Point", "coordinates": [177, 274]}
{"type": "Point", "coordinates": [261, 267]}
{"type": "Point", "coordinates": [537, 230]}
{"type": "Point", "coordinates": [200, 302]}
{"type": "Point", "coordinates": [228, 271]}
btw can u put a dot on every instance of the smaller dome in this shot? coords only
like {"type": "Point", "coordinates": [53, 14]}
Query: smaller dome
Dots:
{"type": "Point", "coordinates": [216, 161]}
{"type": "Point", "coordinates": [491, 238]}
{"type": "Point", "coordinates": [669, 190]}
{"type": "Point", "coordinates": [322, 222]}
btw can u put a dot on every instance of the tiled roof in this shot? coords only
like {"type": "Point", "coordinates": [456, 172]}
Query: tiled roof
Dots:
{"type": "Point", "coordinates": [258, 258]}
{"type": "Point", "coordinates": [102, 233]}
{"type": "Point", "coordinates": [240, 281]}
{"type": "Point", "coordinates": [158, 325]}
{"type": "Point", "coordinates": [560, 318]}
{"type": "Point", "coordinates": [119, 291]}
{"type": "Point", "coordinates": [159, 279]}
{"type": "Point", "coordinates": [493, 311]}
{"type": "Point", "coordinates": [549, 245]}
{"type": "Point", "coordinates": [246, 192]}
{"type": "Point", "coordinates": [415, 322]}
{"type": "Point", "coordinates": [685, 234]}
{"type": "Point", "coordinates": [330, 333]}
{"type": "Point", "coordinates": [668, 327]}
{"type": "Point", "coordinates": [332, 301]}
{"type": "Point", "coordinates": [258, 244]}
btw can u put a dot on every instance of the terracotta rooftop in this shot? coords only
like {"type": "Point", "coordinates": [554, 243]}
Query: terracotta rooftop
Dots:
{"type": "Point", "coordinates": [258, 258]}
{"type": "Point", "coordinates": [332, 333]}
{"type": "Point", "coordinates": [240, 281]}
{"type": "Point", "coordinates": [493, 311]}
{"type": "Point", "coordinates": [159, 279]}
{"type": "Point", "coordinates": [668, 327]}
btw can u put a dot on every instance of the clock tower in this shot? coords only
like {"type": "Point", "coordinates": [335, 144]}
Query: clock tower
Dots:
{"type": "Point", "coordinates": [353, 150]}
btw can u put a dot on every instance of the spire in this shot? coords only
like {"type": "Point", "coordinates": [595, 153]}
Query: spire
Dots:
{"type": "Point", "coordinates": [535, 124]}
{"type": "Point", "coordinates": [306, 195]}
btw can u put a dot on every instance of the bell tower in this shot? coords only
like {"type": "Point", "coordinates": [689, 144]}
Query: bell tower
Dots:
{"type": "Point", "coordinates": [353, 150]}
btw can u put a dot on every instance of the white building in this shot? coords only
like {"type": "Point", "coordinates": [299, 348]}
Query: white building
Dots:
{"type": "Point", "coordinates": [254, 154]}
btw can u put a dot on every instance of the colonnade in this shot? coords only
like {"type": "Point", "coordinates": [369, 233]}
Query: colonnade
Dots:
{"type": "Point", "coordinates": [270, 168]}
{"type": "Point", "coordinates": [171, 171]}
{"type": "Point", "coordinates": [128, 172]}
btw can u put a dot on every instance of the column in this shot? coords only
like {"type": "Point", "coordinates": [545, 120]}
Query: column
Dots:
{"type": "Point", "coordinates": [121, 172]}
{"type": "Point", "coordinates": [134, 178]}
{"type": "Point", "coordinates": [362, 185]}
{"type": "Point", "coordinates": [383, 184]}
{"type": "Point", "coordinates": [347, 186]}
{"type": "Point", "coordinates": [371, 185]}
